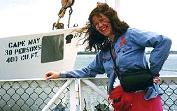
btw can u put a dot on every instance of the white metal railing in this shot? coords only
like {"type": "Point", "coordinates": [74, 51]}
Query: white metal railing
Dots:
{"type": "Point", "coordinates": [49, 104]}
{"type": "Point", "coordinates": [71, 94]}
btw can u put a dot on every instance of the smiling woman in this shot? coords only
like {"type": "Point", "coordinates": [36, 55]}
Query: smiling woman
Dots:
{"type": "Point", "coordinates": [121, 55]}
{"type": "Point", "coordinates": [102, 24]}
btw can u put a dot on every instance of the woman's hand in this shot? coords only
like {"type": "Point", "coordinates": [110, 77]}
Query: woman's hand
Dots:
{"type": "Point", "coordinates": [51, 75]}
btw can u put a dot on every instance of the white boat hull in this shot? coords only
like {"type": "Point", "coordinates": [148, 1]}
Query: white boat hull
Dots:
{"type": "Point", "coordinates": [31, 56]}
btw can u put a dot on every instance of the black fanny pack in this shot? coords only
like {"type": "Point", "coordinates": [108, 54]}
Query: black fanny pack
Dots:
{"type": "Point", "coordinates": [134, 80]}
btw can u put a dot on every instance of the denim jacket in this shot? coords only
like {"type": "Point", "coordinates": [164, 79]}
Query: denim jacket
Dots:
{"type": "Point", "coordinates": [130, 54]}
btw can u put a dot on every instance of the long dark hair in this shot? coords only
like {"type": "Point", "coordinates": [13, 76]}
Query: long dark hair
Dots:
{"type": "Point", "coordinates": [95, 39]}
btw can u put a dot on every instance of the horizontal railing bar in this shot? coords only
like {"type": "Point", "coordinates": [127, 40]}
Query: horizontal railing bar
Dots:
{"type": "Point", "coordinates": [102, 76]}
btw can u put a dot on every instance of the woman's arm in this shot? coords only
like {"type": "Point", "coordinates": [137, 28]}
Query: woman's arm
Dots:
{"type": "Point", "coordinates": [160, 43]}
{"type": "Point", "coordinates": [95, 67]}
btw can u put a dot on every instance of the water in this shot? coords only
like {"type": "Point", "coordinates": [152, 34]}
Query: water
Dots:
{"type": "Point", "coordinates": [169, 67]}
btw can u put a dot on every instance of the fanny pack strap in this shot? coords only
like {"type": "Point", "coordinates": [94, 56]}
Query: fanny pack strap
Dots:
{"type": "Point", "coordinates": [113, 56]}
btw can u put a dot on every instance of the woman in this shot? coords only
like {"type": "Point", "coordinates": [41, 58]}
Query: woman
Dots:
{"type": "Point", "coordinates": [122, 49]}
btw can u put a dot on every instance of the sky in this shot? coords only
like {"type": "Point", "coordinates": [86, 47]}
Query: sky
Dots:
{"type": "Point", "coordinates": [22, 17]}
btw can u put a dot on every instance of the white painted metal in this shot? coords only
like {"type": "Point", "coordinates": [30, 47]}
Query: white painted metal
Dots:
{"type": "Point", "coordinates": [95, 88]}
{"type": "Point", "coordinates": [80, 95]}
{"type": "Point", "coordinates": [8, 87]}
{"type": "Point", "coordinates": [68, 82]}
{"type": "Point", "coordinates": [74, 96]}
{"type": "Point", "coordinates": [117, 5]}
{"type": "Point", "coordinates": [33, 68]}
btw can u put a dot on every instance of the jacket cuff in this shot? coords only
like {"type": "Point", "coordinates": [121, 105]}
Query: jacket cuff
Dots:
{"type": "Point", "coordinates": [65, 75]}
{"type": "Point", "coordinates": [62, 75]}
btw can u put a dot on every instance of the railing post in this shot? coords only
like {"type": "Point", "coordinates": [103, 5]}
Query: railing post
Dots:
{"type": "Point", "coordinates": [68, 82]}
{"type": "Point", "coordinates": [74, 97]}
